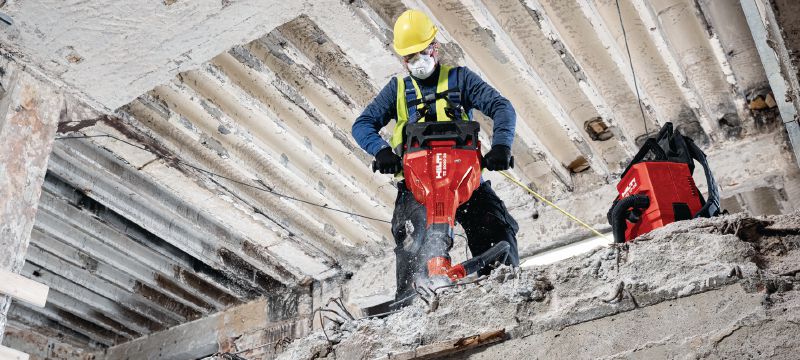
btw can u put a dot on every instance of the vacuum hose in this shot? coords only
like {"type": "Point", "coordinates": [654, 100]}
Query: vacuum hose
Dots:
{"type": "Point", "coordinates": [621, 211]}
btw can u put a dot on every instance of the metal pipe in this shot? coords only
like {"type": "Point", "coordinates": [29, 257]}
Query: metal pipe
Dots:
{"type": "Point", "coordinates": [773, 69]}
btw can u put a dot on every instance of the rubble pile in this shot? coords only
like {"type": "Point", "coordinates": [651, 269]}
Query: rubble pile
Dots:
{"type": "Point", "coordinates": [701, 288]}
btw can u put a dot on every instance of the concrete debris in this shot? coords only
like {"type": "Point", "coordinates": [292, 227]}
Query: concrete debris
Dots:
{"type": "Point", "coordinates": [742, 270]}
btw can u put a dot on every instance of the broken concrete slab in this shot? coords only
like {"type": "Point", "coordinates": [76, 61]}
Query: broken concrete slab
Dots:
{"type": "Point", "coordinates": [676, 291]}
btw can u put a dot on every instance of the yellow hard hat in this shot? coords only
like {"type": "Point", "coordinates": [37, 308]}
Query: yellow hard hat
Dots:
{"type": "Point", "coordinates": [413, 32]}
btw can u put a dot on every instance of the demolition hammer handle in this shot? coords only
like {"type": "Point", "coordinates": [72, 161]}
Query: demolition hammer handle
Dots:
{"type": "Point", "coordinates": [483, 165]}
{"type": "Point", "coordinates": [510, 163]}
{"type": "Point", "coordinates": [498, 252]}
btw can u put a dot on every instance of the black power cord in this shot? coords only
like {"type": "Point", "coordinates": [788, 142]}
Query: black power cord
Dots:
{"type": "Point", "coordinates": [633, 72]}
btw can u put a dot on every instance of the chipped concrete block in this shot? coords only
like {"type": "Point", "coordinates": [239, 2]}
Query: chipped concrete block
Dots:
{"type": "Point", "coordinates": [680, 290]}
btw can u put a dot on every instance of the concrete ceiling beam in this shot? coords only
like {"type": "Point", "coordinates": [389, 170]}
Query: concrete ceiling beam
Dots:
{"type": "Point", "coordinates": [662, 97]}
{"type": "Point", "coordinates": [737, 54]}
{"type": "Point", "coordinates": [135, 321]}
{"type": "Point", "coordinates": [111, 322]}
{"type": "Point", "coordinates": [329, 60]}
{"type": "Point", "coordinates": [125, 297]}
{"type": "Point", "coordinates": [90, 251]}
{"type": "Point", "coordinates": [249, 114]}
{"type": "Point", "coordinates": [682, 42]}
{"type": "Point", "coordinates": [49, 320]}
{"type": "Point", "coordinates": [561, 77]}
{"type": "Point", "coordinates": [243, 153]}
{"type": "Point", "coordinates": [204, 337]}
{"type": "Point", "coordinates": [193, 193]}
{"type": "Point", "coordinates": [333, 112]}
{"type": "Point", "coordinates": [160, 212]}
{"type": "Point", "coordinates": [311, 145]}
{"type": "Point", "coordinates": [170, 37]}
{"type": "Point", "coordinates": [610, 74]}
{"type": "Point", "coordinates": [72, 216]}
{"type": "Point", "coordinates": [283, 213]}
{"type": "Point", "coordinates": [191, 271]}
{"type": "Point", "coordinates": [365, 50]}
{"type": "Point", "coordinates": [29, 114]}
{"type": "Point", "coordinates": [615, 73]}
{"type": "Point", "coordinates": [121, 276]}
{"type": "Point", "coordinates": [574, 40]}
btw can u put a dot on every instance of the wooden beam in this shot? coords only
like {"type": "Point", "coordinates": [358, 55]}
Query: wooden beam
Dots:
{"type": "Point", "coordinates": [23, 289]}
{"type": "Point", "coordinates": [206, 336]}
{"type": "Point", "coordinates": [449, 347]}
{"type": "Point", "coordinates": [11, 354]}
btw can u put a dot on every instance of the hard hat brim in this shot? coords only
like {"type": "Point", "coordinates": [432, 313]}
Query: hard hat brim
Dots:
{"type": "Point", "coordinates": [417, 47]}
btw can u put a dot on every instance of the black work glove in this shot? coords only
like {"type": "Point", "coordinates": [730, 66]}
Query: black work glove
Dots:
{"type": "Point", "coordinates": [499, 158]}
{"type": "Point", "coordinates": [388, 162]}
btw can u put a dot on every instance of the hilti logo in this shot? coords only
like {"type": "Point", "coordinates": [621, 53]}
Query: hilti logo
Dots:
{"type": "Point", "coordinates": [441, 165]}
{"type": "Point", "coordinates": [633, 185]}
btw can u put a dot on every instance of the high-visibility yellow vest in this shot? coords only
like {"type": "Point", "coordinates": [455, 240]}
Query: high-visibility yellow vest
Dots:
{"type": "Point", "coordinates": [447, 90]}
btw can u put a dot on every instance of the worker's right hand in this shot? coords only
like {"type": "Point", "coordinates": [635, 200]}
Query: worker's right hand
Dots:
{"type": "Point", "coordinates": [387, 162]}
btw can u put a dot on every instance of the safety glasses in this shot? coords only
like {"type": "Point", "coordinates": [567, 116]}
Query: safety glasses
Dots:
{"type": "Point", "coordinates": [411, 57]}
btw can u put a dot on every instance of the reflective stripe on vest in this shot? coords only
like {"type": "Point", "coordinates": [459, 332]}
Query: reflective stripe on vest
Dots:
{"type": "Point", "coordinates": [408, 90]}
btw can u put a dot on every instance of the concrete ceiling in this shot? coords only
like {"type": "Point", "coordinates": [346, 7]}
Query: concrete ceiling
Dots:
{"type": "Point", "coordinates": [221, 133]}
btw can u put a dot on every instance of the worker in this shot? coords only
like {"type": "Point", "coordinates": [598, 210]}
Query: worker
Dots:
{"type": "Point", "coordinates": [484, 217]}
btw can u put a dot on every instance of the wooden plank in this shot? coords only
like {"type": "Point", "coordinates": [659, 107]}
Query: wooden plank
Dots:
{"type": "Point", "coordinates": [23, 289]}
{"type": "Point", "coordinates": [449, 347]}
{"type": "Point", "coordinates": [11, 354]}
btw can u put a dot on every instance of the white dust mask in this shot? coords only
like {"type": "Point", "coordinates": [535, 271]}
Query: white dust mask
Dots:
{"type": "Point", "coordinates": [422, 66]}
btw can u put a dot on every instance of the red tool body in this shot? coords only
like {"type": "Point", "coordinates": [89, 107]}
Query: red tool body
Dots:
{"type": "Point", "coordinates": [442, 167]}
{"type": "Point", "coordinates": [670, 188]}
{"type": "Point", "coordinates": [443, 178]}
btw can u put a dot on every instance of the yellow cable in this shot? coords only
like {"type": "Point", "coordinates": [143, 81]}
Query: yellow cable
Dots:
{"type": "Point", "coordinates": [548, 202]}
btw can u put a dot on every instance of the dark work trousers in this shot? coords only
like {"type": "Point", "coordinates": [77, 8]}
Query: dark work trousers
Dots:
{"type": "Point", "coordinates": [484, 218]}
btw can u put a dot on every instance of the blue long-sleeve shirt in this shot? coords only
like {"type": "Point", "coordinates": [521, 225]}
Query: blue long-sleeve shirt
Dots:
{"type": "Point", "coordinates": [475, 93]}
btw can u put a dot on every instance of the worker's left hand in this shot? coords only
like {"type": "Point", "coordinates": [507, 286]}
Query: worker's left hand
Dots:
{"type": "Point", "coordinates": [499, 158]}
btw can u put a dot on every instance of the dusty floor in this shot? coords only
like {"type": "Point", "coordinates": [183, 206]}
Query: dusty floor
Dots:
{"type": "Point", "coordinates": [707, 288]}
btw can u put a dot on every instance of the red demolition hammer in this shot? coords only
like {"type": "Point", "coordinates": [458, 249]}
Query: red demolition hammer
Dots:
{"type": "Point", "coordinates": [442, 165]}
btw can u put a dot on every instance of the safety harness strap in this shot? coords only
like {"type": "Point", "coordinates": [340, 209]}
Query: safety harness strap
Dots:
{"type": "Point", "coordinates": [447, 95]}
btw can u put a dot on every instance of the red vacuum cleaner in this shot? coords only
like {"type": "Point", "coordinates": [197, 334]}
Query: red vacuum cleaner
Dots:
{"type": "Point", "coordinates": [442, 167]}
{"type": "Point", "coordinates": [657, 187]}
